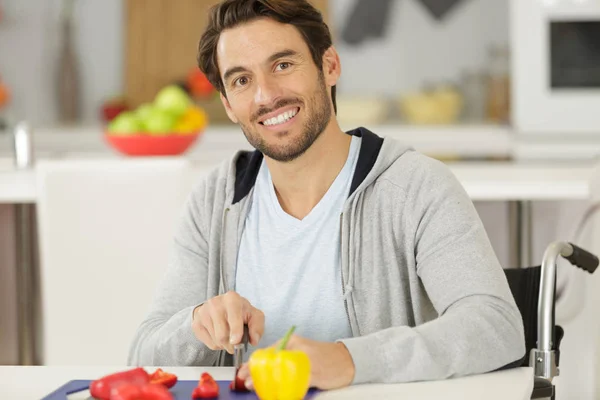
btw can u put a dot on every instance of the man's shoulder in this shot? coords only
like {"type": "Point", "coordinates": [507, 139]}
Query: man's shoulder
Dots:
{"type": "Point", "coordinates": [218, 182]}
{"type": "Point", "coordinates": [416, 168]}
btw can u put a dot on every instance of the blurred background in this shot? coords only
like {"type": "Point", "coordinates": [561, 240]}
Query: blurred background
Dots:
{"type": "Point", "coordinates": [106, 124]}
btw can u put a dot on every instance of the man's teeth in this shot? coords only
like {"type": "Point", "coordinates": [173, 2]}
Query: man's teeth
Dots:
{"type": "Point", "coordinates": [281, 118]}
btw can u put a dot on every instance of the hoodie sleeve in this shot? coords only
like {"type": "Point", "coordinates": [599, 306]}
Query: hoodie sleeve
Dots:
{"type": "Point", "coordinates": [165, 337]}
{"type": "Point", "coordinates": [479, 327]}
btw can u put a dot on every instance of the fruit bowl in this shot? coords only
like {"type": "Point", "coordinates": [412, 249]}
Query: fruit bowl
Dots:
{"type": "Point", "coordinates": [146, 145]}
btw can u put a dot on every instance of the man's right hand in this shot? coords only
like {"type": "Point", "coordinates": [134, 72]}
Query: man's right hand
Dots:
{"type": "Point", "coordinates": [219, 322]}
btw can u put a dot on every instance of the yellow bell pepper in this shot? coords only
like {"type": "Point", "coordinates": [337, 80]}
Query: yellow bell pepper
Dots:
{"type": "Point", "coordinates": [193, 120]}
{"type": "Point", "coordinates": [279, 374]}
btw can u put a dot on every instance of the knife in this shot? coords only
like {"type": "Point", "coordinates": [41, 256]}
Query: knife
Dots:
{"type": "Point", "coordinates": [239, 351]}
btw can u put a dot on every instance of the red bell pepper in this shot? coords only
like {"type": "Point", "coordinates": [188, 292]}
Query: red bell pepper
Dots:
{"type": "Point", "coordinates": [238, 385]}
{"type": "Point", "coordinates": [101, 388]}
{"type": "Point", "coordinates": [199, 85]}
{"type": "Point", "coordinates": [161, 377]}
{"type": "Point", "coordinates": [207, 388]}
{"type": "Point", "coordinates": [141, 392]}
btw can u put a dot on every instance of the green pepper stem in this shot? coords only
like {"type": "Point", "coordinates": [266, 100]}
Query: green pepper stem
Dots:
{"type": "Point", "coordinates": [286, 338]}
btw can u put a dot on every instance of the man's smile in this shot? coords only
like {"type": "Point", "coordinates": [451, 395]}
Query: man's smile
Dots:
{"type": "Point", "coordinates": [279, 117]}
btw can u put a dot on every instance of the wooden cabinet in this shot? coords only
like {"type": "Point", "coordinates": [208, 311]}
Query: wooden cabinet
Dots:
{"type": "Point", "coordinates": [161, 45]}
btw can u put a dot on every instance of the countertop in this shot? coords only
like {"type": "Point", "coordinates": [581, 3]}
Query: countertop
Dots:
{"type": "Point", "coordinates": [483, 180]}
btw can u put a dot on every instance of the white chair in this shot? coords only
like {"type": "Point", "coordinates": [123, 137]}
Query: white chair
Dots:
{"type": "Point", "coordinates": [105, 229]}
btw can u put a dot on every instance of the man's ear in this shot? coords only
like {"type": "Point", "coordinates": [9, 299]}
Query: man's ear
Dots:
{"type": "Point", "coordinates": [332, 67]}
{"type": "Point", "coordinates": [228, 109]}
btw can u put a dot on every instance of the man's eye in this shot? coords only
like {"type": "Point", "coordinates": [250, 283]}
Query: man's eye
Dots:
{"type": "Point", "coordinates": [283, 65]}
{"type": "Point", "coordinates": [241, 81]}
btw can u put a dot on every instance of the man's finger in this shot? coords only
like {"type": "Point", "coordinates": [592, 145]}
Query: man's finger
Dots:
{"type": "Point", "coordinates": [207, 324]}
{"type": "Point", "coordinates": [256, 325]}
{"type": "Point", "coordinates": [244, 372]}
{"type": "Point", "coordinates": [205, 337]}
{"type": "Point", "coordinates": [220, 326]}
{"type": "Point", "coordinates": [235, 319]}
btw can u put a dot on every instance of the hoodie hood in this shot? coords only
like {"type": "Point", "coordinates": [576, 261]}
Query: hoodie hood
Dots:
{"type": "Point", "coordinates": [375, 156]}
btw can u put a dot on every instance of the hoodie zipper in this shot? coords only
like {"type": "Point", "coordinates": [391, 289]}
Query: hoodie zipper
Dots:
{"type": "Point", "coordinates": [222, 269]}
{"type": "Point", "coordinates": [221, 356]}
{"type": "Point", "coordinates": [342, 271]}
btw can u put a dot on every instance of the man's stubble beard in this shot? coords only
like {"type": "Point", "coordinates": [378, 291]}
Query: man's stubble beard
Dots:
{"type": "Point", "coordinates": [314, 125]}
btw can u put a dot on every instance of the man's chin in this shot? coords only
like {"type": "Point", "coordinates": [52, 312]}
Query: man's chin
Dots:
{"type": "Point", "coordinates": [284, 146]}
{"type": "Point", "coordinates": [283, 155]}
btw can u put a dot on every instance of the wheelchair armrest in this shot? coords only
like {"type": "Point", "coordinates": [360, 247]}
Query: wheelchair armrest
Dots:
{"type": "Point", "coordinates": [542, 389]}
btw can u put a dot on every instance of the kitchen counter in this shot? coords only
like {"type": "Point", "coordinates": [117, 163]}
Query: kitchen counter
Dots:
{"type": "Point", "coordinates": [471, 141]}
{"type": "Point", "coordinates": [17, 186]}
{"type": "Point", "coordinates": [483, 180]}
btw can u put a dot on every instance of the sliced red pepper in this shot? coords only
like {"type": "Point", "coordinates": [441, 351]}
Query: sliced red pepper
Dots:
{"type": "Point", "coordinates": [238, 385]}
{"type": "Point", "coordinates": [128, 391]}
{"type": "Point", "coordinates": [207, 388]}
{"type": "Point", "coordinates": [141, 392]}
{"type": "Point", "coordinates": [156, 392]}
{"type": "Point", "coordinates": [101, 388]}
{"type": "Point", "coordinates": [161, 377]}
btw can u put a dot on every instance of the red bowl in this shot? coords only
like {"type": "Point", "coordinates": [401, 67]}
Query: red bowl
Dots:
{"type": "Point", "coordinates": [146, 145]}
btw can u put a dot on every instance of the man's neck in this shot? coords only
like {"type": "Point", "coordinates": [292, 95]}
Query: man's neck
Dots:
{"type": "Point", "coordinates": [300, 184]}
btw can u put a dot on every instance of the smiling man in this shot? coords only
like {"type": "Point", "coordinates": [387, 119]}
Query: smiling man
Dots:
{"type": "Point", "coordinates": [374, 251]}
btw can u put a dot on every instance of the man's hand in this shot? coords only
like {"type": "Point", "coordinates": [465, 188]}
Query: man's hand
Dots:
{"type": "Point", "coordinates": [219, 322]}
{"type": "Point", "coordinates": [331, 365]}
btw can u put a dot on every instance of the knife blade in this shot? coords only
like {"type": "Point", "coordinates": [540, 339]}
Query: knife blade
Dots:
{"type": "Point", "coordinates": [239, 350]}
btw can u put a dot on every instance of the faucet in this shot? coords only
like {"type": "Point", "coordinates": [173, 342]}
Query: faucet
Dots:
{"type": "Point", "coordinates": [23, 146]}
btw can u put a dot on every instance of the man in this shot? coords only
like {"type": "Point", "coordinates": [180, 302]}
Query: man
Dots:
{"type": "Point", "coordinates": [372, 250]}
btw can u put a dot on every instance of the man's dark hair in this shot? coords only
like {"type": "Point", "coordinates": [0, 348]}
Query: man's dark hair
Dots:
{"type": "Point", "coordinates": [230, 13]}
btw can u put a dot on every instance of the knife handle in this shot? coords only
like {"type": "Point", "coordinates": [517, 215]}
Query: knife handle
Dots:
{"type": "Point", "coordinates": [245, 337]}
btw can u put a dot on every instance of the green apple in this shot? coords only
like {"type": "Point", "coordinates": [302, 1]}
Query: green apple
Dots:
{"type": "Point", "coordinates": [159, 122]}
{"type": "Point", "coordinates": [173, 99]}
{"type": "Point", "coordinates": [144, 111]}
{"type": "Point", "coordinates": [125, 123]}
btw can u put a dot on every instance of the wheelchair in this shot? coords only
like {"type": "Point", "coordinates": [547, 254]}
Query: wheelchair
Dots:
{"type": "Point", "coordinates": [534, 291]}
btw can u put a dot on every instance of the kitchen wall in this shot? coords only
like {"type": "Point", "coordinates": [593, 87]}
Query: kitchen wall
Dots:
{"type": "Point", "coordinates": [29, 47]}
{"type": "Point", "coordinates": [416, 49]}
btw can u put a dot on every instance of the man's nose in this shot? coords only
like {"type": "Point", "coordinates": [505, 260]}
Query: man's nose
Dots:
{"type": "Point", "coordinates": [267, 92]}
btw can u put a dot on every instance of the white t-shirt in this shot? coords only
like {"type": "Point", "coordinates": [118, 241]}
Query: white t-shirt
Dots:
{"type": "Point", "coordinates": [290, 268]}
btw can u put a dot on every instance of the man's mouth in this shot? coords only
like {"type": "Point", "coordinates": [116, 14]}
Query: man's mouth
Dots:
{"type": "Point", "coordinates": [281, 118]}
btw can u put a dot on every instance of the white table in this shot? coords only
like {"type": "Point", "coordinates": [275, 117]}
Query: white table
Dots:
{"type": "Point", "coordinates": [29, 383]}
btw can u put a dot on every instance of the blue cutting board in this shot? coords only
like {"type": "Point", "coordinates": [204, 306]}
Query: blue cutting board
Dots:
{"type": "Point", "coordinates": [181, 391]}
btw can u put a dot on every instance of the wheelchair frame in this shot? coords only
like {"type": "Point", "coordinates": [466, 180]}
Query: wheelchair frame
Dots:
{"type": "Point", "coordinates": [543, 358]}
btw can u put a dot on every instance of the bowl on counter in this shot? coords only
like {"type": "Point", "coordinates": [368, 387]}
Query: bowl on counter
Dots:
{"type": "Point", "coordinates": [142, 144]}
{"type": "Point", "coordinates": [362, 110]}
{"type": "Point", "coordinates": [442, 105]}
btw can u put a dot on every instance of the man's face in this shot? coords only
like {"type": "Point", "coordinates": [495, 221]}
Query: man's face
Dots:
{"type": "Point", "coordinates": [275, 92]}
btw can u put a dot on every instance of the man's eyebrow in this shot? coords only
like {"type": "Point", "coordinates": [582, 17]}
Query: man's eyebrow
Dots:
{"type": "Point", "coordinates": [283, 54]}
{"type": "Point", "coordinates": [232, 71]}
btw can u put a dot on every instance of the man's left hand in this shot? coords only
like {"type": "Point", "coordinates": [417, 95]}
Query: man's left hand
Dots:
{"type": "Point", "coordinates": [330, 363]}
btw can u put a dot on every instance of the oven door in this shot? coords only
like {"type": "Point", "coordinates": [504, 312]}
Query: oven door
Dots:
{"type": "Point", "coordinates": [555, 66]}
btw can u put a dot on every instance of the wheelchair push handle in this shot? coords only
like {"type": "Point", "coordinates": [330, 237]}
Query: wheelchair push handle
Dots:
{"type": "Point", "coordinates": [582, 259]}
{"type": "Point", "coordinates": [543, 357]}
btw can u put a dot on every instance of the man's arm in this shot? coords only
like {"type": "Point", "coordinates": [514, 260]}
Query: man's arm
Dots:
{"type": "Point", "coordinates": [479, 328]}
{"type": "Point", "coordinates": [165, 337]}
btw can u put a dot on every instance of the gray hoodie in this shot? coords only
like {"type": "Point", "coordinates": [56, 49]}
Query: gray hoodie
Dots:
{"type": "Point", "coordinates": [425, 295]}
